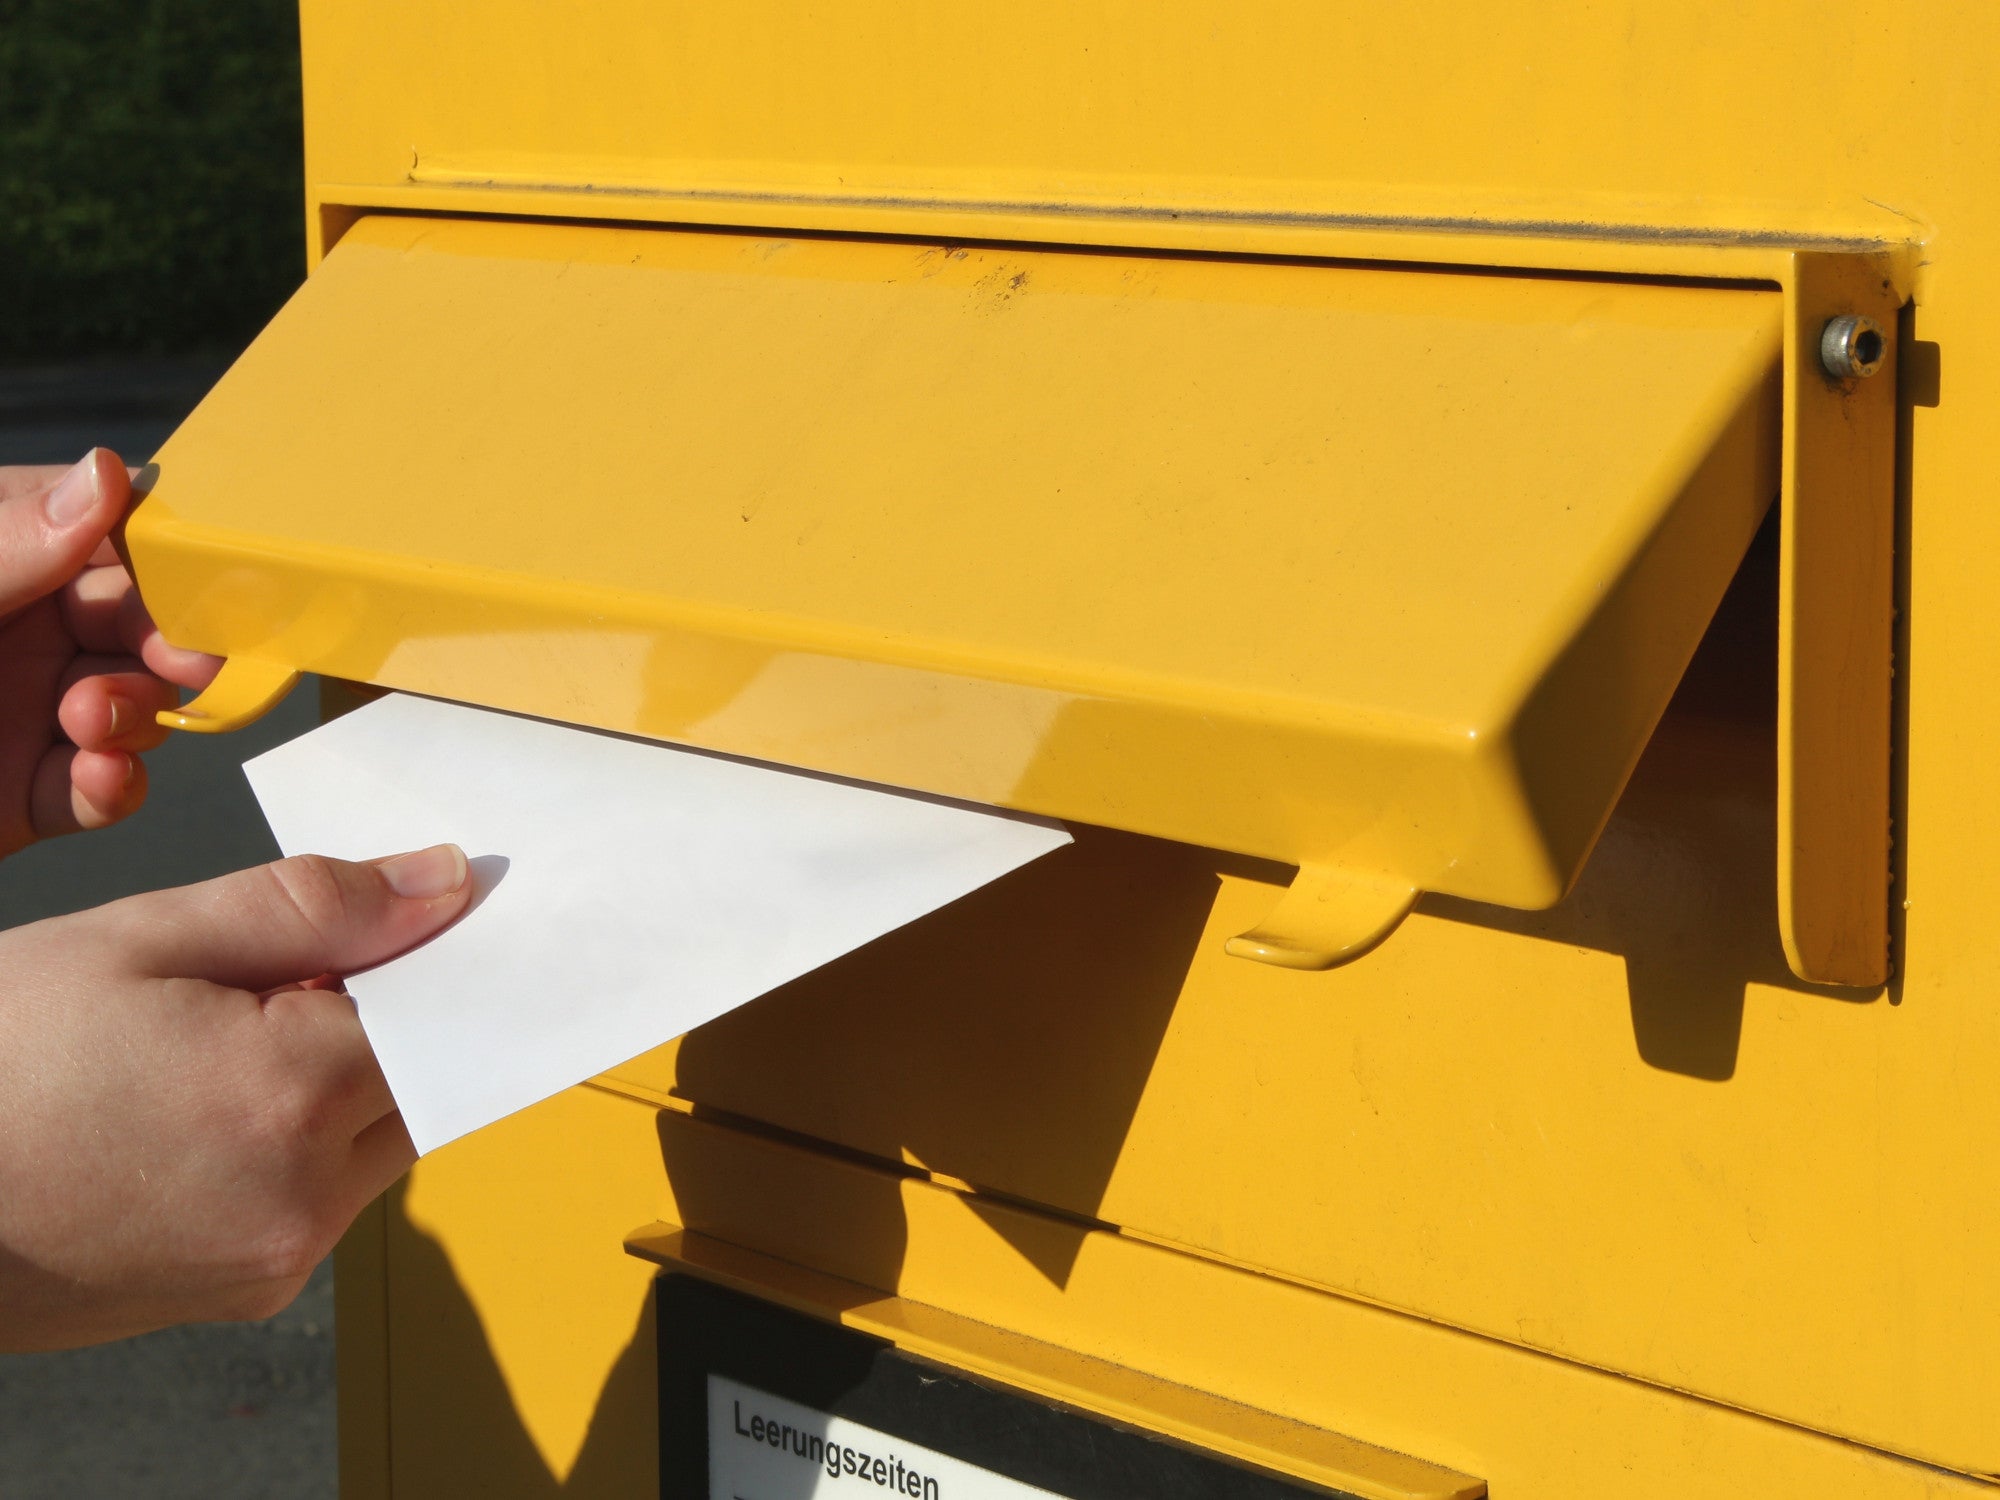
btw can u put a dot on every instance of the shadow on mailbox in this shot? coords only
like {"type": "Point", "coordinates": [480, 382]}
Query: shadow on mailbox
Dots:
{"type": "Point", "coordinates": [1683, 883]}
{"type": "Point", "coordinates": [1004, 1041]}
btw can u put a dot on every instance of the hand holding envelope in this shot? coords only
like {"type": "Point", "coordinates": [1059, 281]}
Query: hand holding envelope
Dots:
{"type": "Point", "coordinates": [624, 891]}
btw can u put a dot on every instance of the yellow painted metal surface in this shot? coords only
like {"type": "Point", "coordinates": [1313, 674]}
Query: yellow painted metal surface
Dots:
{"type": "Point", "coordinates": [1558, 114]}
{"type": "Point", "coordinates": [1596, 1201]}
{"type": "Point", "coordinates": [1836, 599]}
{"type": "Point", "coordinates": [1385, 571]}
{"type": "Point", "coordinates": [519, 1359]}
{"type": "Point", "coordinates": [1526, 1425]}
{"type": "Point", "coordinates": [1618, 1131]}
{"type": "Point", "coordinates": [492, 1278]}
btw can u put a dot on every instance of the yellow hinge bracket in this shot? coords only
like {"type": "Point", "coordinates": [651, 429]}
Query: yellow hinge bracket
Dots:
{"type": "Point", "coordinates": [1836, 617]}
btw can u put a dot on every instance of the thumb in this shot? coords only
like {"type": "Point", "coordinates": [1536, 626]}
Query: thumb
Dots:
{"type": "Point", "coordinates": [300, 918]}
{"type": "Point", "coordinates": [48, 533]}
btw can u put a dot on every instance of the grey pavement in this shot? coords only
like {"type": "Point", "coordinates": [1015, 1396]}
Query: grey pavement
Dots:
{"type": "Point", "coordinates": [220, 1411]}
{"type": "Point", "coordinates": [186, 1414]}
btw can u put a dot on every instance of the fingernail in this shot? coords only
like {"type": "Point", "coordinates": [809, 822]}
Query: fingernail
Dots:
{"type": "Point", "coordinates": [131, 771]}
{"type": "Point", "coordinates": [124, 715]}
{"type": "Point", "coordinates": [75, 494]}
{"type": "Point", "coordinates": [426, 874]}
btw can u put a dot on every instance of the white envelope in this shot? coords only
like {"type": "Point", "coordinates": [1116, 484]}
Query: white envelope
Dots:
{"type": "Point", "coordinates": [625, 891]}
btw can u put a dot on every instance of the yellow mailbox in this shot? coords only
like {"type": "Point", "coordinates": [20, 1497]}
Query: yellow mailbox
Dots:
{"type": "Point", "coordinates": [1477, 517]}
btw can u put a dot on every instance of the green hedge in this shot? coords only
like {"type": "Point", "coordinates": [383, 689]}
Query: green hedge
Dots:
{"type": "Point", "coordinates": [150, 196]}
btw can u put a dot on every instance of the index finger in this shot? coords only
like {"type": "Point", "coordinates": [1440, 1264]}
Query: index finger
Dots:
{"type": "Point", "coordinates": [319, 1034]}
{"type": "Point", "coordinates": [94, 608]}
{"type": "Point", "coordinates": [177, 664]}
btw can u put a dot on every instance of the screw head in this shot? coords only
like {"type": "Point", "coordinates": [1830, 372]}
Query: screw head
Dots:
{"type": "Point", "coordinates": [1852, 347]}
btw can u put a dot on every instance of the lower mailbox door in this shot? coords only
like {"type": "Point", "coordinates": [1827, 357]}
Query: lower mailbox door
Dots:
{"type": "Point", "coordinates": [759, 1403]}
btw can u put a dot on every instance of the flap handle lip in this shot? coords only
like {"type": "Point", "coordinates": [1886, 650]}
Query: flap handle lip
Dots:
{"type": "Point", "coordinates": [246, 689]}
{"type": "Point", "coordinates": [1327, 917]}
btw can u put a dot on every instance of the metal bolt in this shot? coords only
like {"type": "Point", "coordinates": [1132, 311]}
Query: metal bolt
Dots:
{"type": "Point", "coordinates": [1852, 347]}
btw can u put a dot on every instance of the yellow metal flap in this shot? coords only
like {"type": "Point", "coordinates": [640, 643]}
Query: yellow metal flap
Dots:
{"type": "Point", "coordinates": [1383, 571]}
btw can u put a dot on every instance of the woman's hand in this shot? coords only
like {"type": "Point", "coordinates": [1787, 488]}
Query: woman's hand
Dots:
{"type": "Point", "coordinates": [190, 1115]}
{"type": "Point", "coordinates": [83, 670]}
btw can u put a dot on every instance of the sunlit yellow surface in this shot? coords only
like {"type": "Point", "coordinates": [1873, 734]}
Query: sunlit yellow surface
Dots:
{"type": "Point", "coordinates": [1791, 118]}
{"type": "Point", "coordinates": [882, 1251]}
{"type": "Point", "coordinates": [1596, 1202]}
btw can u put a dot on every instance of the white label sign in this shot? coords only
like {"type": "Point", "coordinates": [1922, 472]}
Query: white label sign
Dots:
{"type": "Point", "coordinates": [763, 1447]}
